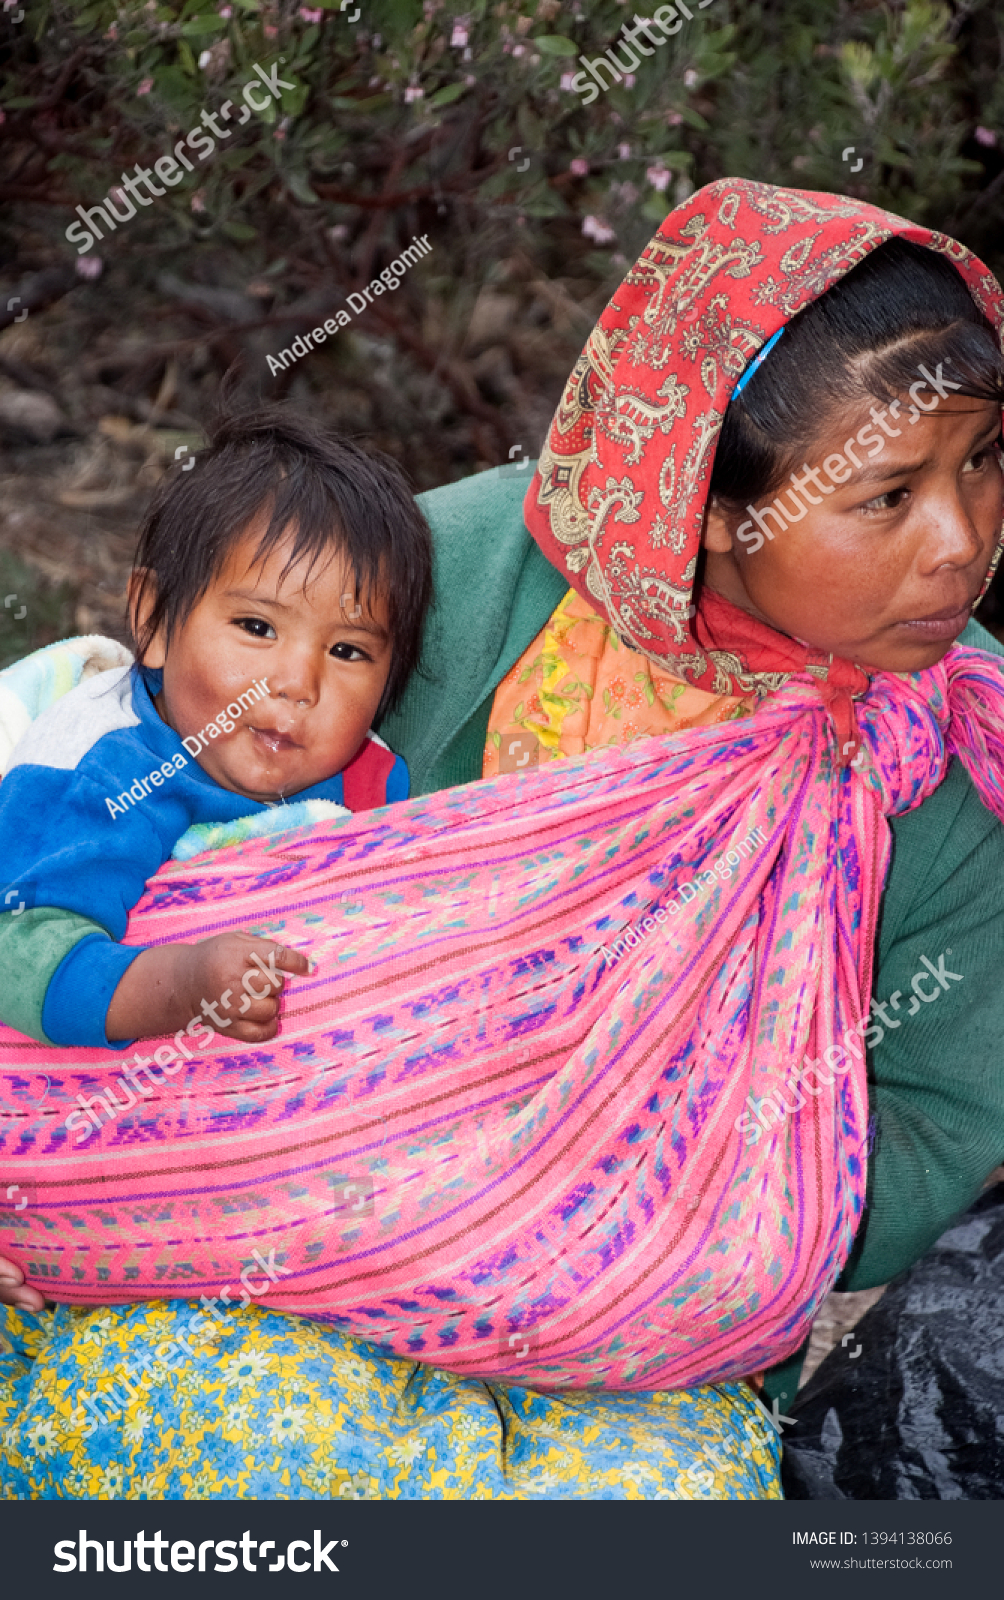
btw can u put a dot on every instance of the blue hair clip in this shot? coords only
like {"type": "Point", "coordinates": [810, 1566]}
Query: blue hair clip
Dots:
{"type": "Point", "coordinates": [747, 375]}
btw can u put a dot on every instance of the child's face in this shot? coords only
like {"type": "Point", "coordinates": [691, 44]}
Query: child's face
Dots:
{"type": "Point", "coordinates": [325, 668]}
{"type": "Point", "coordinates": [885, 568]}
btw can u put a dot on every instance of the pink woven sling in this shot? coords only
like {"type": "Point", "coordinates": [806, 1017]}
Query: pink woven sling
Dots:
{"type": "Point", "coordinates": [478, 1139]}
{"type": "Point", "coordinates": [472, 1121]}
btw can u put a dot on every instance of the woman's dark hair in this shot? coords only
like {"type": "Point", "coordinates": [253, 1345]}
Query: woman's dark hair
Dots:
{"type": "Point", "coordinates": [332, 495]}
{"type": "Point", "coordinates": [903, 306]}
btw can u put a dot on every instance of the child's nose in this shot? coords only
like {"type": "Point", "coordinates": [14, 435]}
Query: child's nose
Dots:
{"type": "Point", "coordinates": [296, 683]}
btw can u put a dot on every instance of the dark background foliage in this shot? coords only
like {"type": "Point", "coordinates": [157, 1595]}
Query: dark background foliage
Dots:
{"type": "Point", "coordinates": [404, 119]}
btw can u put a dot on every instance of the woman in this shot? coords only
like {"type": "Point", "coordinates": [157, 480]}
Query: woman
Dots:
{"type": "Point", "coordinates": [759, 1141]}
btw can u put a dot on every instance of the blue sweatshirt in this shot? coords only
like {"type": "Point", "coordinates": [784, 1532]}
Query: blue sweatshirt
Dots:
{"type": "Point", "coordinates": [99, 791]}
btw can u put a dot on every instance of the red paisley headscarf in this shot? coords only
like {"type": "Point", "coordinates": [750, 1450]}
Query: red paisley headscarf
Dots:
{"type": "Point", "coordinates": [619, 495]}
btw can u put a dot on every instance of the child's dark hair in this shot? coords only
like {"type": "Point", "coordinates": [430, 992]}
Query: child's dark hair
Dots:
{"type": "Point", "coordinates": [901, 307]}
{"type": "Point", "coordinates": [334, 496]}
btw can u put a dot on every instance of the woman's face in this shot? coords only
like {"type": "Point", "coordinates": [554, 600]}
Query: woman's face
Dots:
{"type": "Point", "coordinates": [884, 567]}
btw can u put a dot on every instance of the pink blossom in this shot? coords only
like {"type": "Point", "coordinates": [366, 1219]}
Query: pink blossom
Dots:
{"type": "Point", "coordinates": [310, 13]}
{"type": "Point", "coordinates": [145, 87]}
{"type": "Point", "coordinates": [226, 12]}
{"type": "Point", "coordinates": [580, 166]}
{"type": "Point", "coordinates": [658, 176]}
{"type": "Point", "coordinates": [986, 136]}
{"type": "Point", "coordinates": [629, 80]}
{"type": "Point", "coordinates": [624, 151]}
{"type": "Point", "coordinates": [459, 36]}
{"type": "Point", "coordinates": [519, 49]}
{"type": "Point", "coordinates": [568, 82]}
{"type": "Point", "coordinates": [112, 32]}
{"type": "Point", "coordinates": [198, 202]}
{"type": "Point", "coordinates": [597, 230]}
{"type": "Point", "coordinates": [413, 93]}
{"type": "Point", "coordinates": [269, 31]}
{"type": "Point", "coordinates": [89, 266]}
{"type": "Point", "coordinates": [690, 78]}
{"type": "Point", "coordinates": [675, 118]}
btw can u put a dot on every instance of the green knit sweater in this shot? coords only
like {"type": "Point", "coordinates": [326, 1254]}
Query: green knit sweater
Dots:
{"type": "Point", "coordinates": [937, 1084]}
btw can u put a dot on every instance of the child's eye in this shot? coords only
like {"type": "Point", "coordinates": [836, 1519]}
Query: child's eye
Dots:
{"type": "Point", "coordinates": [348, 652]}
{"type": "Point", "coordinates": [256, 626]}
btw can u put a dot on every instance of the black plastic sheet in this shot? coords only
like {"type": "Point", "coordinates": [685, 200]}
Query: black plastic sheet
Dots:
{"type": "Point", "coordinates": [911, 1406]}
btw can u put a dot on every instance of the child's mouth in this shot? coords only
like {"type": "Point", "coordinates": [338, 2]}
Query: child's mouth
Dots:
{"type": "Point", "coordinates": [273, 741]}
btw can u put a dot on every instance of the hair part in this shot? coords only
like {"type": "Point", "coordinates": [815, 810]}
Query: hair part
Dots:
{"type": "Point", "coordinates": [323, 493]}
{"type": "Point", "coordinates": [904, 306]}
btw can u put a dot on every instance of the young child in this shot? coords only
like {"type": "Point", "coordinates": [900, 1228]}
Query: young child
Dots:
{"type": "Point", "coordinates": [276, 606]}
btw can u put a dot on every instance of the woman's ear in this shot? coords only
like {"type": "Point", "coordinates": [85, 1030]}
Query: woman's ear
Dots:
{"type": "Point", "coordinates": [717, 535]}
{"type": "Point", "coordinates": [142, 594]}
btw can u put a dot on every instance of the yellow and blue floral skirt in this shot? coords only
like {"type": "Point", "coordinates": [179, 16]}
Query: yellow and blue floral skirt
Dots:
{"type": "Point", "coordinates": [96, 1404]}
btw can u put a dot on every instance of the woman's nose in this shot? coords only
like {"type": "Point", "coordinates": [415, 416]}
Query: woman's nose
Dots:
{"type": "Point", "coordinates": [955, 540]}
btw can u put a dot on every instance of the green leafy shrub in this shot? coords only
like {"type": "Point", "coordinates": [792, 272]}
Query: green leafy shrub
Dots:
{"type": "Point", "coordinates": [421, 119]}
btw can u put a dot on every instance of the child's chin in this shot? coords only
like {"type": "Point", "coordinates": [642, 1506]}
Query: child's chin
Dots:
{"type": "Point", "coordinates": [263, 782]}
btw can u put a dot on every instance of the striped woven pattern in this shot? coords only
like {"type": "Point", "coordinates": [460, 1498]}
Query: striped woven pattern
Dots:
{"type": "Point", "coordinates": [474, 1140]}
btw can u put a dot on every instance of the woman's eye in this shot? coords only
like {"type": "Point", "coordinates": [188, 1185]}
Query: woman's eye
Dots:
{"type": "Point", "coordinates": [886, 502]}
{"type": "Point", "coordinates": [348, 652]}
{"type": "Point", "coordinates": [977, 462]}
{"type": "Point", "coordinates": [257, 627]}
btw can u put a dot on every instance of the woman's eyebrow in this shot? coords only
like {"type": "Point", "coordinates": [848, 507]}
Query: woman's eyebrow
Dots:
{"type": "Point", "coordinates": [893, 469]}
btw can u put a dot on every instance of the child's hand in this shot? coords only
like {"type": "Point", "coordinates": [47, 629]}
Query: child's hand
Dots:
{"type": "Point", "coordinates": [241, 979]}
{"type": "Point", "coordinates": [230, 983]}
{"type": "Point", "coordinates": [15, 1292]}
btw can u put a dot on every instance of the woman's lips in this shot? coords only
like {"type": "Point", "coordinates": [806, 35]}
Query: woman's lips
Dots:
{"type": "Point", "coordinates": [272, 740]}
{"type": "Point", "coordinates": [942, 625]}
